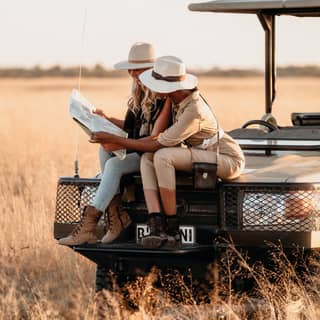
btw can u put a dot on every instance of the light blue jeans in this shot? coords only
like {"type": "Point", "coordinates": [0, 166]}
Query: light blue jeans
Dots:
{"type": "Point", "coordinates": [112, 169]}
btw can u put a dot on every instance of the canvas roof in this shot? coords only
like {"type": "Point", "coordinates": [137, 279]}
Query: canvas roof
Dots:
{"type": "Point", "coordinates": [288, 7]}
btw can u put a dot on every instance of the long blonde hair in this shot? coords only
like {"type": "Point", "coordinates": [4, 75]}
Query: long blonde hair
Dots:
{"type": "Point", "coordinates": [142, 99]}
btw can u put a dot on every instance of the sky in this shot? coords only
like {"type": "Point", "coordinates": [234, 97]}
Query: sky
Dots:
{"type": "Point", "coordinates": [46, 33]}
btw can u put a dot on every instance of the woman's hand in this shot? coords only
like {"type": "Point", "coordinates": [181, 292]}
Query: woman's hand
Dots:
{"type": "Point", "coordinates": [106, 140]}
{"type": "Point", "coordinates": [111, 147]}
{"type": "Point", "coordinates": [102, 137]}
{"type": "Point", "coordinates": [100, 113]}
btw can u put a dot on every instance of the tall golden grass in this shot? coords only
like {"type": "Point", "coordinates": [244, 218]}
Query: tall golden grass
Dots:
{"type": "Point", "coordinates": [41, 280]}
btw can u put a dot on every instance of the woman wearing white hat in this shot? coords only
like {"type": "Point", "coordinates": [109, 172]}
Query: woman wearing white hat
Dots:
{"type": "Point", "coordinates": [195, 127]}
{"type": "Point", "coordinates": [140, 121]}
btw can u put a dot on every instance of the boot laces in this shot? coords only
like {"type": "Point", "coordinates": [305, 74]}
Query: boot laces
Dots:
{"type": "Point", "coordinates": [112, 218]}
{"type": "Point", "coordinates": [77, 229]}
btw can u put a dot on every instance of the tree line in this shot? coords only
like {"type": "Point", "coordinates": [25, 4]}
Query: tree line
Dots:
{"type": "Point", "coordinates": [99, 71]}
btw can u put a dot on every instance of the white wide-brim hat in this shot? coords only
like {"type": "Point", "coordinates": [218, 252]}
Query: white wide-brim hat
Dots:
{"type": "Point", "coordinates": [168, 75]}
{"type": "Point", "coordinates": [141, 55]}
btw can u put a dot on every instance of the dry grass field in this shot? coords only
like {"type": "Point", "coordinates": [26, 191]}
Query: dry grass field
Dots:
{"type": "Point", "coordinates": [42, 280]}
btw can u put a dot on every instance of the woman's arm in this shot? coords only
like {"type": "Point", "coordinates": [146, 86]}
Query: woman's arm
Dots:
{"type": "Point", "coordinates": [148, 144]}
{"type": "Point", "coordinates": [115, 121]}
{"type": "Point", "coordinates": [163, 119]}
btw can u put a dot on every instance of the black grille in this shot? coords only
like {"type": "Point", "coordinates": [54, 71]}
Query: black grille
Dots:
{"type": "Point", "coordinates": [73, 194]}
{"type": "Point", "coordinates": [272, 208]}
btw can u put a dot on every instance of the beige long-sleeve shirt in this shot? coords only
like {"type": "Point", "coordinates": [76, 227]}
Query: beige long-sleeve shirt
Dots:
{"type": "Point", "coordinates": [194, 121]}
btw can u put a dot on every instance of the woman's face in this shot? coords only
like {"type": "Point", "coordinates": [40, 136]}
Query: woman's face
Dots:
{"type": "Point", "coordinates": [134, 73]}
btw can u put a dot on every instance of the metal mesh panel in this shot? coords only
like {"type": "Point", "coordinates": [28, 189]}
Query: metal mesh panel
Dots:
{"type": "Point", "coordinates": [273, 209]}
{"type": "Point", "coordinates": [231, 208]}
{"type": "Point", "coordinates": [72, 196]}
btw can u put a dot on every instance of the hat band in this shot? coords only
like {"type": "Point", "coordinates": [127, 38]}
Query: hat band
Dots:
{"type": "Point", "coordinates": [168, 78]}
{"type": "Point", "coordinates": [141, 61]}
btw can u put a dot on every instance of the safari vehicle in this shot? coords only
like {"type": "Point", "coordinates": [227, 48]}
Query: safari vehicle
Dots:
{"type": "Point", "coordinates": [277, 198]}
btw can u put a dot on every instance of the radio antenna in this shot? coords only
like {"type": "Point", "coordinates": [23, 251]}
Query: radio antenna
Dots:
{"type": "Point", "coordinates": [82, 47]}
{"type": "Point", "coordinates": [76, 156]}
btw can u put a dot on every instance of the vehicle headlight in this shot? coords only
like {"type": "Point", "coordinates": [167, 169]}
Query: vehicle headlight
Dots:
{"type": "Point", "coordinates": [297, 210]}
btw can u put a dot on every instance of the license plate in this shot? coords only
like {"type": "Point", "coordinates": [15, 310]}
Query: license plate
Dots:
{"type": "Point", "coordinates": [187, 233]}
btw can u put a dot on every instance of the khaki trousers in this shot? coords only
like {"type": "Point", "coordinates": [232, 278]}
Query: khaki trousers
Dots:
{"type": "Point", "coordinates": [158, 169]}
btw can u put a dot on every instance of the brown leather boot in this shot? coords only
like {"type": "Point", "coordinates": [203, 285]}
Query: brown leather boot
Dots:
{"type": "Point", "coordinates": [118, 220]}
{"type": "Point", "coordinates": [85, 232]}
{"type": "Point", "coordinates": [173, 232]}
{"type": "Point", "coordinates": [157, 237]}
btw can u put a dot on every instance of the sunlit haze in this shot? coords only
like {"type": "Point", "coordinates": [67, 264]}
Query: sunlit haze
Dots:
{"type": "Point", "coordinates": [49, 32]}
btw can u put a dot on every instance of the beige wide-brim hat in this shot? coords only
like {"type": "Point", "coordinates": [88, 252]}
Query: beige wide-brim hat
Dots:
{"type": "Point", "coordinates": [168, 75]}
{"type": "Point", "coordinates": [141, 55]}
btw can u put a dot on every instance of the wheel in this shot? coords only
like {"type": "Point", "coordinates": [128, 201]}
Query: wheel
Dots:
{"type": "Point", "coordinates": [183, 288]}
{"type": "Point", "coordinates": [264, 123]}
{"type": "Point", "coordinates": [104, 279]}
{"type": "Point", "coordinates": [115, 282]}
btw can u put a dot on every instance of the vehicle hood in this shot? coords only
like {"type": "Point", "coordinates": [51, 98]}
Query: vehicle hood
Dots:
{"type": "Point", "coordinates": [288, 168]}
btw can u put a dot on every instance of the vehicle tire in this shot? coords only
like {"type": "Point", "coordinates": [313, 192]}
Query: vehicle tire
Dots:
{"type": "Point", "coordinates": [183, 288]}
{"type": "Point", "coordinates": [114, 282]}
{"type": "Point", "coordinates": [104, 279]}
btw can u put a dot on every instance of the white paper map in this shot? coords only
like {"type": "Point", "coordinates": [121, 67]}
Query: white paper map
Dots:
{"type": "Point", "coordinates": [81, 110]}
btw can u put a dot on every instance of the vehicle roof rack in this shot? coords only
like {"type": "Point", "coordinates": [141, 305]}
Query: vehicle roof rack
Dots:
{"type": "Point", "coordinates": [305, 8]}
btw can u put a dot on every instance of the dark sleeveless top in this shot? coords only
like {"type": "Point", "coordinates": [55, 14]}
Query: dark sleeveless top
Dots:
{"type": "Point", "coordinates": [133, 122]}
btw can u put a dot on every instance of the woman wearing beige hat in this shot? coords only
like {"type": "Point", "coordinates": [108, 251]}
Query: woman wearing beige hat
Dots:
{"type": "Point", "coordinates": [193, 137]}
{"type": "Point", "coordinates": [140, 122]}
